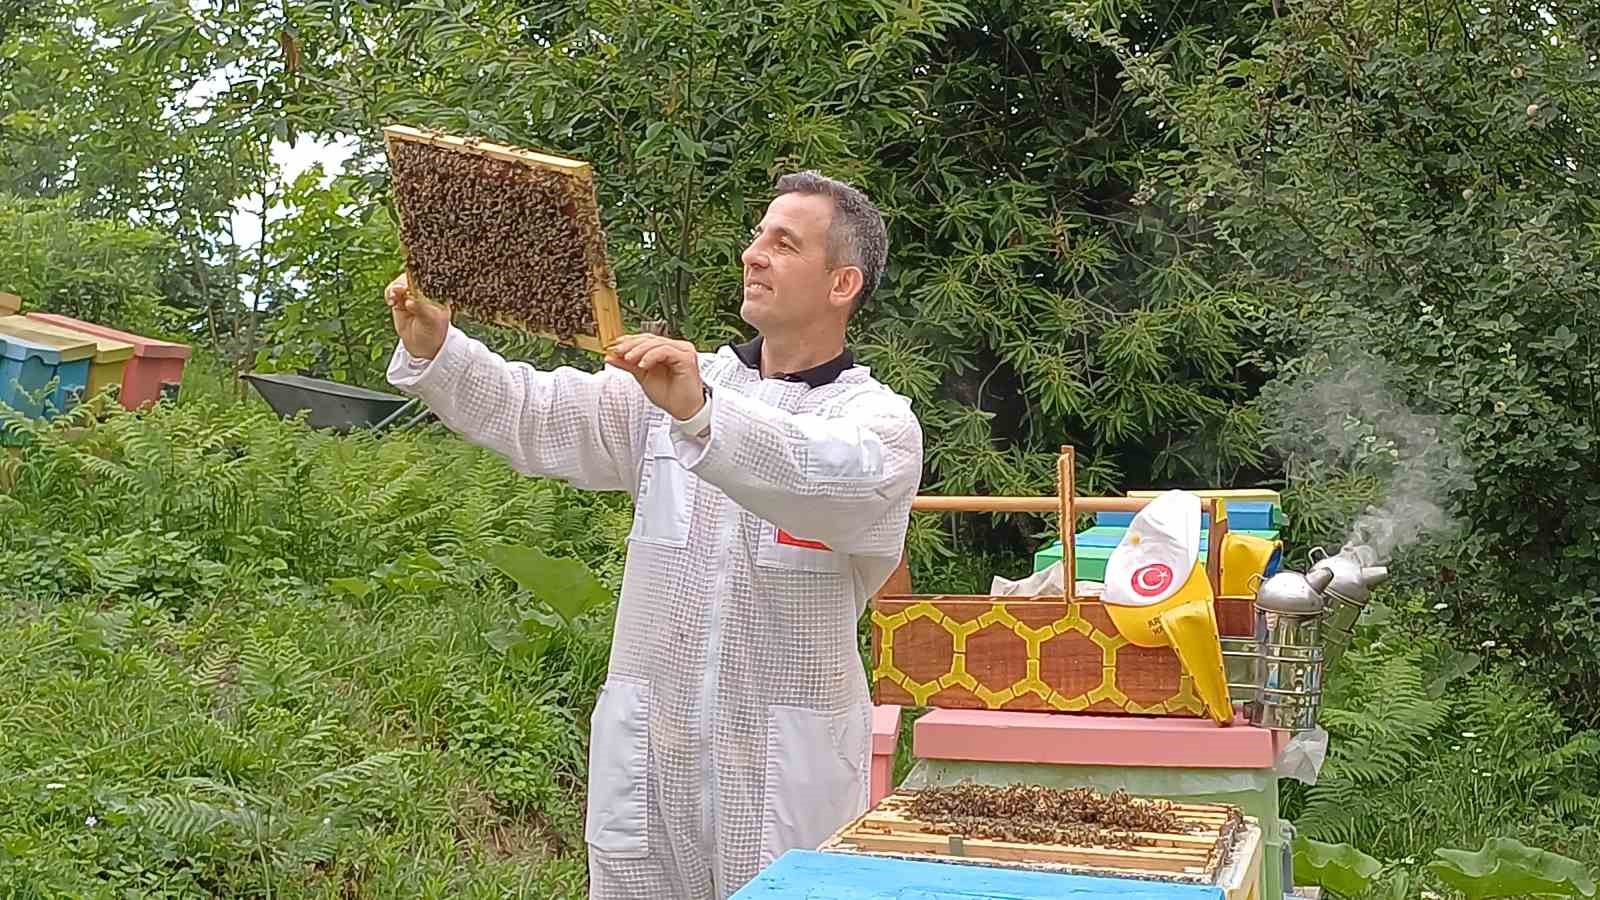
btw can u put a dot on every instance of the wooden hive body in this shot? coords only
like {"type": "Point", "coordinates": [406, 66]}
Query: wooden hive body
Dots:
{"type": "Point", "coordinates": [1058, 653]}
{"type": "Point", "coordinates": [1216, 847]}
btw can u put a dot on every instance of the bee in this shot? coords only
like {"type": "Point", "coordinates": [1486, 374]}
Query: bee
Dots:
{"type": "Point", "coordinates": [499, 240]}
{"type": "Point", "coordinates": [1037, 814]}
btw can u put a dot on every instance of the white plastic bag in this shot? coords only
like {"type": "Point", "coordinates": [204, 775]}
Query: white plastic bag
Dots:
{"type": "Point", "coordinates": [1042, 583]}
{"type": "Point", "coordinates": [1302, 757]}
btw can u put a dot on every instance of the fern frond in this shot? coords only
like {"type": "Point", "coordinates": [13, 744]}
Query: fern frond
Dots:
{"type": "Point", "coordinates": [361, 772]}
{"type": "Point", "coordinates": [182, 818]}
{"type": "Point", "coordinates": [107, 470]}
{"type": "Point", "coordinates": [317, 739]}
{"type": "Point", "coordinates": [1584, 747]}
{"type": "Point", "coordinates": [212, 671]}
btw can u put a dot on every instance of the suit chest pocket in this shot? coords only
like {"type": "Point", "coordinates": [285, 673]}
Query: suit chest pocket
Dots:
{"type": "Point", "coordinates": [665, 503]}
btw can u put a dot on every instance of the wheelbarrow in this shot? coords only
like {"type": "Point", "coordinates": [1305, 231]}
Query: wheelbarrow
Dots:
{"type": "Point", "coordinates": [335, 406]}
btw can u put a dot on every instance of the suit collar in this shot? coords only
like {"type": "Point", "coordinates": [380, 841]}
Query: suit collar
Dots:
{"type": "Point", "coordinates": [749, 353]}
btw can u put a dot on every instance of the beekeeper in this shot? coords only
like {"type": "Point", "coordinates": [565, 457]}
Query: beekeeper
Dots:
{"type": "Point", "coordinates": [772, 483]}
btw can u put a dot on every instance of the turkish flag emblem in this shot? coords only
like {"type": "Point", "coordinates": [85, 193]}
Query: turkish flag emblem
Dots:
{"type": "Point", "coordinates": [790, 540]}
{"type": "Point", "coordinates": [1152, 579]}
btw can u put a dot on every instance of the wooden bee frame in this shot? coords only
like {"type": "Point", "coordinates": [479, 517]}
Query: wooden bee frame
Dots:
{"type": "Point", "coordinates": [607, 311]}
{"type": "Point", "coordinates": [1220, 849]}
{"type": "Point", "coordinates": [1055, 652]}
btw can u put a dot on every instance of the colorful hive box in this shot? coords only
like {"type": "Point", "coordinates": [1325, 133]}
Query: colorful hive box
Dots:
{"type": "Point", "coordinates": [154, 363]}
{"type": "Point", "coordinates": [25, 368]}
{"type": "Point", "coordinates": [110, 355]}
{"type": "Point", "coordinates": [980, 652]}
{"type": "Point", "coordinates": [1094, 546]}
{"type": "Point", "coordinates": [71, 367]}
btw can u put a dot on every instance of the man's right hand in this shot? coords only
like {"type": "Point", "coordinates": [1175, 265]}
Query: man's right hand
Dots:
{"type": "Point", "coordinates": [421, 324]}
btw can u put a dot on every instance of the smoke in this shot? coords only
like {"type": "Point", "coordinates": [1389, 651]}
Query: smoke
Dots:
{"type": "Point", "coordinates": [1340, 416]}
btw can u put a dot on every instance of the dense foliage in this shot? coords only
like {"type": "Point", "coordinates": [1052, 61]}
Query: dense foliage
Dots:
{"type": "Point", "coordinates": [241, 658]}
{"type": "Point", "coordinates": [1412, 193]}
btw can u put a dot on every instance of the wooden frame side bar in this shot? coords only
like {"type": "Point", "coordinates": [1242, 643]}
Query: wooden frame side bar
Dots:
{"type": "Point", "coordinates": [1066, 485]}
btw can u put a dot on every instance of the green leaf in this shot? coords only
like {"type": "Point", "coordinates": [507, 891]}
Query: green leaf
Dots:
{"type": "Point", "coordinates": [528, 639]}
{"type": "Point", "coordinates": [1457, 664]}
{"type": "Point", "coordinates": [564, 584]}
{"type": "Point", "coordinates": [355, 587]}
{"type": "Point", "coordinates": [1338, 867]}
{"type": "Point", "coordinates": [1505, 867]}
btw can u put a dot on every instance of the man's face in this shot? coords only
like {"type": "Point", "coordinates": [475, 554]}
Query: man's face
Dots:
{"type": "Point", "coordinates": [786, 279]}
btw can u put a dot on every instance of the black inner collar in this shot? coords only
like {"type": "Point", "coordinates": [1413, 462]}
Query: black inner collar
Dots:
{"type": "Point", "coordinates": [750, 354]}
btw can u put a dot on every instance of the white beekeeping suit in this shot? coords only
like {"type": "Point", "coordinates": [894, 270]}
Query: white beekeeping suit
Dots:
{"type": "Point", "coordinates": [735, 721]}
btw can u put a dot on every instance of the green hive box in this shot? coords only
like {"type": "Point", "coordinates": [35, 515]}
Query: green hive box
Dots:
{"type": "Point", "coordinates": [1093, 551]}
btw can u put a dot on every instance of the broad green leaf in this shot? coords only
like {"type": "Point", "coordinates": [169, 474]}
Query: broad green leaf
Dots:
{"type": "Point", "coordinates": [528, 639]}
{"type": "Point", "coordinates": [1338, 867]}
{"type": "Point", "coordinates": [564, 584]}
{"type": "Point", "coordinates": [355, 587]}
{"type": "Point", "coordinates": [1505, 867]}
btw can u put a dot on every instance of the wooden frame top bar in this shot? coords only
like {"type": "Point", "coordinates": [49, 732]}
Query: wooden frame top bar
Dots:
{"type": "Point", "coordinates": [959, 503]}
{"type": "Point", "coordinates": [487, 148]}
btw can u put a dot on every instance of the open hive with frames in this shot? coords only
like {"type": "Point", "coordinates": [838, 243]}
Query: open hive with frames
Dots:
{"type": "Point", "coordinates": [1072, 830]}
{"type": "Point", "coordinates": [505, 235]}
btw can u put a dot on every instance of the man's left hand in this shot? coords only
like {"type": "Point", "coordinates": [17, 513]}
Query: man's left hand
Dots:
{"type": "Point", "coordinates": [668, 370]}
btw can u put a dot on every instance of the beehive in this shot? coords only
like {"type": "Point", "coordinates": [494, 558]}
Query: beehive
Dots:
{"type": "Point", "coordinates": [1078, 831]}
{"type": "Point", "coordinates": [505, 235]}
{"type": "Point", "coordinates": [1057, 653]}
{"type": "Point", "coordinates": [1028, 653]}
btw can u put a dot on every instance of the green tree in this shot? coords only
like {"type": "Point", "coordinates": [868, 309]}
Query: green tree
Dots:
{"type": "Point", "coordinates": [96, 269]}
{"type": "Point", "coordinates": [1419, 183]}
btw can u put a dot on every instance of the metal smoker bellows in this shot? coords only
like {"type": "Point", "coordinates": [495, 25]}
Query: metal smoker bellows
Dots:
{"type": "Point", "coordinates": [1353, 578]}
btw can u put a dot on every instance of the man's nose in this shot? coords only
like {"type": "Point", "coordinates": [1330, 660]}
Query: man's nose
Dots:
{"type": "Point", "coordinates": [754, 257]}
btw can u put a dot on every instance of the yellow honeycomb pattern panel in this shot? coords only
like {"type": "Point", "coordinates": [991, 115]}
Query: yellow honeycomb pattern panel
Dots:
{"type": "Point", "coordinates": [1185, 700]}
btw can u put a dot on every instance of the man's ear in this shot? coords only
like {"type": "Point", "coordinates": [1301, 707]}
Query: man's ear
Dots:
{"type": "Point", "coordinates": [847, 284]}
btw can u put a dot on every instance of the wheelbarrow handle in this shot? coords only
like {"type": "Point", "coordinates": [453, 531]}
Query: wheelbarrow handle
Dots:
{"type": "Point", "coordinates": [386, 421]}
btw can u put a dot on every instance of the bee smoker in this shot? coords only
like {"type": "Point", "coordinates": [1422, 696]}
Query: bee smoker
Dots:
{"type": "Point", "coordinates": [1241, 659]}
{"type": "Point", "coordinates": [1287, 693]}
{"type": "Point", "coordinates": [1352, 579]}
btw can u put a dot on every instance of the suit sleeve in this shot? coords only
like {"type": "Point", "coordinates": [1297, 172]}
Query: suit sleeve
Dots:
{"type": "Point", "coordinates": [845, 478]}
{"type": "Point", "coordinates": [580, 427]}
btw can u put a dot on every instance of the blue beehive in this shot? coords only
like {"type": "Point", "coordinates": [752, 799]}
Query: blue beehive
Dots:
{"type": "Point", "coordinates": [25, 369]}
{"type": "Point", "coordinates": [29, 364]}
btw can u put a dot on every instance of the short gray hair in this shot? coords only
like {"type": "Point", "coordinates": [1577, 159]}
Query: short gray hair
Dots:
{"type": "Point", "coordinates": [856, 234]}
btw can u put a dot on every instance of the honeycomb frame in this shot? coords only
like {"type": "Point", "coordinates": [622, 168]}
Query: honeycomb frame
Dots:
{"type": "Point", "coordinates": [603, 301]}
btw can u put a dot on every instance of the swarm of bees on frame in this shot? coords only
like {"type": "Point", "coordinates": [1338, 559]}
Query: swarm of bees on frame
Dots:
{"type": "Point", "coordinates": [502, 241]}
{"type": "Point", "coordinates": [1037, 814]}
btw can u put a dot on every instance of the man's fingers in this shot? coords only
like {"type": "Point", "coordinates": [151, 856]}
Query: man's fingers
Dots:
{"type": "Point", "coordinates": [655, 356]}
{"type": "Point", "coordinates": [630, 345]}
{"type": "Point", "coordinates": [621, 343]}
{"type": "Point", "coordinates": [427, 310]}
{"type": "Point", "coordinates": [397, 291]}
{"type": "Point", "coordinates": [616, 359]}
